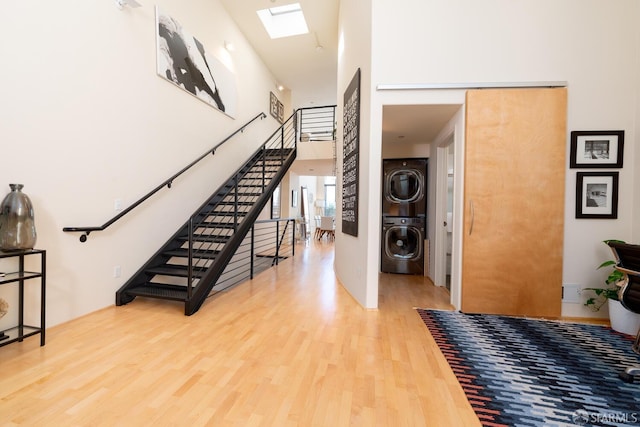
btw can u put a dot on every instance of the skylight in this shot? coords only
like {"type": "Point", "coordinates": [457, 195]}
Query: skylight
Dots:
{"type": "Point", "coordinates": [284, 21]}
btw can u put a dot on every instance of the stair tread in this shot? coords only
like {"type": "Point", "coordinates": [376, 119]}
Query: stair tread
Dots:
{"type": "Point", "coordinates": [176, 270]}
{"type": "Point", "coordinates": [161, 291]}
{"type": "Point", "coordinates": [222, 225]}
{"type": "Point", "coordinates": [230, 213]}
{"type": "Point", "coordinates": [206, 238]}
{"type": "Point", "coordinates": [197, 253]}
{"type": "Point", "coordinates": [232, 202]}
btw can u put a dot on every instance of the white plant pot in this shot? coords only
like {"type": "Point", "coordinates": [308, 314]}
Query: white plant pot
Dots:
{"type": "Point", "coordinates": [623, 320]}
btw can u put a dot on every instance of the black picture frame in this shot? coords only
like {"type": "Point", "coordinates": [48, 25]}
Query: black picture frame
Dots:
{"type": "Point", "coordinates": [280, 112]}
{"type": "Point", "coordinates": [273, 105]}
{"type": "Point", "coordinates": [351, 156]}
{"type": "Point", "coordinates": [597, 149]}
{"type": "Point", "coordinates": [597, 195]}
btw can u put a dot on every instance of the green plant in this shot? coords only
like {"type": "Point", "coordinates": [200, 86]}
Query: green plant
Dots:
{"type": "Point", "coordinates": [611, 290]}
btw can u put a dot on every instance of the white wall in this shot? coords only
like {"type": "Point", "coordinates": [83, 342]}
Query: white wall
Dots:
{"type": "Point", "coordinates": [356, 261]}
{"type": "Point", "coordinates": [636, 161]}
{"type": "Point", "coordinates": [593, 45]}
{"type": "Point", "coordinates": [86, 120]}
{"type": "Point", "coordinates": [398, 151]}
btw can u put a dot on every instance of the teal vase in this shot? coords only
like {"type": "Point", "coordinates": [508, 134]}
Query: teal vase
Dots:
{"type": "Point", "coordinates": [17, 225]}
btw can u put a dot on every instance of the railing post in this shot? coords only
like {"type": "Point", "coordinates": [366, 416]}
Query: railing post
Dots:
{"type": "Point", "coordinates": [251, 250]}
{"type": "Point", "coordinates": [293, 237]}
{"type": "Point", "coordinates": [334, 125]}
{"type": "Point", "coordinates": [282, 146]}
{"type": "Point", "coordinates": [235, 203]}
{"type": "Point", "coordinates": [277, 241]}
{"type": "Point", "coordinates": [295, 128]}
{"type": "Point", "coordinates": [190, 260]}
{"type": "Point", "coordinates": [264, 165]}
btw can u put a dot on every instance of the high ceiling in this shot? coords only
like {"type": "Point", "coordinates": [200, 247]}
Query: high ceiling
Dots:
{"type": "Point", "coordinates": [307, 65]}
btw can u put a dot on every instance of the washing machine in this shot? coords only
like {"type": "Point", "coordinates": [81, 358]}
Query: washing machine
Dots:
{"type": "Point", "coordinates": [404, 187]}
{"type": "Point", "coordinates": [402, 245]}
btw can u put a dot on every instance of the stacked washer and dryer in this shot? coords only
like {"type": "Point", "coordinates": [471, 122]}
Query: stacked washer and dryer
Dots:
{"type": "Point", "coordinates": [404, 207]}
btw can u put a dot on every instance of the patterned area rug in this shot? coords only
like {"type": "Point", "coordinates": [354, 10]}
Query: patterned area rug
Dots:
{"type": "Point", "coordinates": [524, 372]}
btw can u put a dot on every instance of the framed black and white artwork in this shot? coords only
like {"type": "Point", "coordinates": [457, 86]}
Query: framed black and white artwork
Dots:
{"type": "Point", "coordinates": [273, 105]}
{"type": "Point", "coordinates": [280, 112]}
{"type": "Point", "coordinates": [597, 149]}
{"type": "Point", "coordinates": [183, 60]}
{"type": "Point", "coordinates": [597, 195]}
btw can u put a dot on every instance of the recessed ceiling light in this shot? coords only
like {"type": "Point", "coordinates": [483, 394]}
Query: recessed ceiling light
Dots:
{"type": "Point", "coordinates": [284, 21]}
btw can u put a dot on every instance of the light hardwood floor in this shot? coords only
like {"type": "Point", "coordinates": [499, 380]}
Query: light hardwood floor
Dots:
{"type": "Point", "coordinates": [290, 348]}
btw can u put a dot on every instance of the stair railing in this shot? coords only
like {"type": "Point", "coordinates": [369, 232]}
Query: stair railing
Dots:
{"type": "Point", "coordinates": [318, 124]}
{"type": "Point", "coordinates": [167, 183]}
{"type": "Point", "coordinates": [277, 152]}
{"type": "Point", "coordinates": [268, 242]}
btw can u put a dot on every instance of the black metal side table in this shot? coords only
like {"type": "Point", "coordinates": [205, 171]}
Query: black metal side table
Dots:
{"type": "Point", "coordinates": [20, 276]}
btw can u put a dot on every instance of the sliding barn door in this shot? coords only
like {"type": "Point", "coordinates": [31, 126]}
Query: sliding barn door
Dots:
{"type": "Point", "coordinates": [514, 201]}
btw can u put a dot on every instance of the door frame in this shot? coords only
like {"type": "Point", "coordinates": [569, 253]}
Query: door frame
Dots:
{"type": "Point", "coordinates": [440, 261]}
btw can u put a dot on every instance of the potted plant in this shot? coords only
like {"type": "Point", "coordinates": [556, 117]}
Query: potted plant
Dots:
{"type": "Point", "coordinates": [622, 320]}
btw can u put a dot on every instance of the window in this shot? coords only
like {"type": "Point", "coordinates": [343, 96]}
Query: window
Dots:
{"type": "Point", "coordinates": [284, 21]}
{"type": "Point", "coordinates": [330, 199]}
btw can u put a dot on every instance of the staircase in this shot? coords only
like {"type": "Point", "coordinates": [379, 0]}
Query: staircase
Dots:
{"type": "Point", "coordinates": [190, 263]}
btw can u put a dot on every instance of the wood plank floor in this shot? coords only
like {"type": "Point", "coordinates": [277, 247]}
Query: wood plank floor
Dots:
{"type": "Point", "coordinates": [290, 348]}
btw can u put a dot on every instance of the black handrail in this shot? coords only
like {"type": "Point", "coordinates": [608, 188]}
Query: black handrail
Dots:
{"type": "Point", "coordinates": [167, 183]}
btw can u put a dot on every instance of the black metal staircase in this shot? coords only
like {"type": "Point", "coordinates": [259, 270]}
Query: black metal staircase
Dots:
{"type": "Point", "coordinates": [190, 263]}
{"type": "Point", "coordinates": [201, 256]}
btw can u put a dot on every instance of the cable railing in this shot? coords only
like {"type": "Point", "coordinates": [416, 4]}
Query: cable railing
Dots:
{"type": "Point", "coordinates": [167, 183]}
{"type": "Point", "coordinates": [318, 124]}
{"type": "Point", "coordinates": [267, 243]}
{"type": "Point", "coordinates": [242, 200]}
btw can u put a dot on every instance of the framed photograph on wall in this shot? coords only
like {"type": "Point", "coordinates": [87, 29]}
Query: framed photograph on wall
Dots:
{"type": "Point", "coordinates": [597, 195]}
{"type": "Point", "coordinates": [280, 112]}
{"type": "Point", "coordinates": [597, 149]}
{"type": "Point", "coordinates": [199, 73]}
{"type": "Point", "coordinates": [273, 105]}
{"type": "Point", "coordinates": [294, 198]}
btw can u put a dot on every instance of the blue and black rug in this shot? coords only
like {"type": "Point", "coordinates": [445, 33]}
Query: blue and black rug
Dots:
{"type": "Point", "coordinates": [524, 372]}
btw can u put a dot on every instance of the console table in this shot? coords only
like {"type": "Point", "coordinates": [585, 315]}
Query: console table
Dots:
{"type": "Point", "coordinates": [18, 276]}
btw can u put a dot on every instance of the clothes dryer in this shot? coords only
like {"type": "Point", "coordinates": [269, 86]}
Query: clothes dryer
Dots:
{"type": "Point", "coordinates": [402, 245]}
{"type": "Point", "coordinates": [404, 187]}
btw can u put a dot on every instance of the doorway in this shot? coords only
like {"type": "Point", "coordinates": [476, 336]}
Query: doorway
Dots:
{"type": "Point", "coordinates": [445, 212]}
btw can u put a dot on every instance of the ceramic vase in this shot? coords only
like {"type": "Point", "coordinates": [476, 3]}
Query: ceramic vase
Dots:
{"type": "Point", "coordinates": [623, 320]}
{"type": "Point", "coordinates": [17, 225]}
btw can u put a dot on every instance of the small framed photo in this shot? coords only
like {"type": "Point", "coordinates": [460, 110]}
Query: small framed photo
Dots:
{"type": "Point", "coordinates": [280, 112]}
{"type": "Point", "coordinates": [597, 149]}
{"type": "Point", "coordinates": [294, 198]}
{"type": "Point", "coordinates": [597, 195]}
{"type": "Point", "coordinates": [273, 105]}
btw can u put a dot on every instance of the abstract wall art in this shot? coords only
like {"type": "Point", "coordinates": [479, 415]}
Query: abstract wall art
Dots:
{"type": "Point", "coordinates": [183, 60]}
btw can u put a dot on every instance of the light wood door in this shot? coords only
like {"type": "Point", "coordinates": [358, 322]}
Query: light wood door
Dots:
{"type": "Point", "coordinates": [514, 201]}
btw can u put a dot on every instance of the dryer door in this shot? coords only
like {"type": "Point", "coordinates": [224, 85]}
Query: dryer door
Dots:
{"type": "Point", "coordinates": [403, 242]}
{"type": "Point", "coordinates": [404, 186]}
